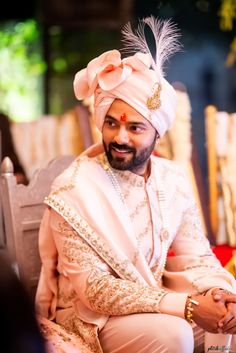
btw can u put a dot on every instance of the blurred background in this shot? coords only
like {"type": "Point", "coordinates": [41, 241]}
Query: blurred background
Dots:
{"type": "Point", "coordinates": [43, 43]}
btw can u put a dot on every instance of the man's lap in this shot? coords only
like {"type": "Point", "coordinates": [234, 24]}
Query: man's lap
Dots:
{"type": "Point", "coordinates": [147, 333]}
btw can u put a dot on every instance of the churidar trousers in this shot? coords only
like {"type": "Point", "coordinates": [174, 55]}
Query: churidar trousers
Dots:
{"type": "Point", "coordinates": [158, 333]}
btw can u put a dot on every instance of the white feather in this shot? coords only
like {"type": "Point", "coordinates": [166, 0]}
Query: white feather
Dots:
{"type": "Point", "coordinates": [165, 36]}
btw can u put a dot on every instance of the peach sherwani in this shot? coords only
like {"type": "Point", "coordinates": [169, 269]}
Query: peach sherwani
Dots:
{"type": "Point", "coordinates": [104, 241]}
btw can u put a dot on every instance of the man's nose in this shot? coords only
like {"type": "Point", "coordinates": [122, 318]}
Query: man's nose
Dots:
{"type": "Point", "coordinates": [122, 136]}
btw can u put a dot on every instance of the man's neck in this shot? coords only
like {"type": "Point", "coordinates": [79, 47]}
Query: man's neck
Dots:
{"type": "Point", "coordinates": [145, 171]}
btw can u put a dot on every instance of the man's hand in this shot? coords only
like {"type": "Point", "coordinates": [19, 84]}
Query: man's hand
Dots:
{"type": "Point", "coordinates": [227, 324]}
{"type": "Point", "coordinates": [209, 312]}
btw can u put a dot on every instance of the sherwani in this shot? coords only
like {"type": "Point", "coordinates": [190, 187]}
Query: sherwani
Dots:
{"type": "Point", "coordinates": [104, 243]}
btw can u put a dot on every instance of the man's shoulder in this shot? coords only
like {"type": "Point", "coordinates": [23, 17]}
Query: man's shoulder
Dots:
{"type": "Point", "coordinates": [174, 176]}
{"type": "Point", "coordinates": [165, 166]}
{"type": "Point", "coordinates": [82, 167]}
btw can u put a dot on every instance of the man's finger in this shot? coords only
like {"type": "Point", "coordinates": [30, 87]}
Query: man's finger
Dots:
{"type": "Point", "coordinates": [225, 320]}
{"type": "Point", "coordinates": [230, 298]}
{"type": "Point", "coordinates": [217, 297]}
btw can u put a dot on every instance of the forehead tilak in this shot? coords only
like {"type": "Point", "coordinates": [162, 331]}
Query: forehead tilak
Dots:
{"type": "Point", "coordinates": [123, 117]}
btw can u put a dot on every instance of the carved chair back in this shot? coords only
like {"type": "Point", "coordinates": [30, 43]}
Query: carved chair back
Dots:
{"type": "Point", "coordinates": [22, 210]}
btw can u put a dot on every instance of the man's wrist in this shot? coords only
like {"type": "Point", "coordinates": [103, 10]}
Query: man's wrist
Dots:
{"type": "Point", "coordinates": [189, 308]}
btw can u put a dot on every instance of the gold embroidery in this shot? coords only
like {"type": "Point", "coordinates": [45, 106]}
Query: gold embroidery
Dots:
{"type": "Point", "coordinates": [71, 183]}
{"type": "Point", "coordinates": [83, 255]}
{"type": "Point", "coordinates": [138, 208]}
{"type": "Point", "coordinates": [146, 231]}
{"type": "Point", "coordinates": [49, 331]}
{"type": "Point", "coordinates": [180, 192]}
{"type": "Point", "coordinates": [58, 337]}
{"type": "Point", "coordinates": [168, 167]}
{"type": "Point", "coordinates": [124, 268]}
{"type": "Point", "coordinates": [63, 188]}
{"type": "Point", "coordinates": [159, 268]}
{"type": "Point", "coordinates": [164, 234]}
{"type": "Point", "coordinates": [124, 182]}
{"type": "Point", "coordinates": [66, 298]}
{"type": "Point", "coordinates": [128, 177]}
{"type": "Point", "coordinates": [118, 297]}
{"type": "Point", "coordinates": [191, 226]}
{"type": "Point", "coordinates": [216, 270]}
{"type": "Point", "coordinates": [87, 332]}
{"type": "Point", "coordinates": [215, 265]}
{"type": "Point", "coordinates": [154, 102]}
{"type": "Point", "coordinates": [76, 249]}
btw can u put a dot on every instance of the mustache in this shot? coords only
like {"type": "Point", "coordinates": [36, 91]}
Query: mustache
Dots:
{"type": "Point", "coordinates": [126, 148]}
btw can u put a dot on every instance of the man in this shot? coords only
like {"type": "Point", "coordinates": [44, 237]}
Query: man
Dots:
{"type": "Point", "coordinates": [115, 213]}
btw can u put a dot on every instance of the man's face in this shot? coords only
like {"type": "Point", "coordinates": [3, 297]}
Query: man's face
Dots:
{"type": "Point", "coordinates": [128, 138]}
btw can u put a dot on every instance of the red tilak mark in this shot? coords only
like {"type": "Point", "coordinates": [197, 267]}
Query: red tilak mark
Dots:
{"type": "Point", "coordinates": [123, 117]}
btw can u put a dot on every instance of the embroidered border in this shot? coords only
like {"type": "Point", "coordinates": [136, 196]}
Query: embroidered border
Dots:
{"type": "Point", "coordinates": [71, 183]}
{"type": "Point", "coordinates": [124, 268]}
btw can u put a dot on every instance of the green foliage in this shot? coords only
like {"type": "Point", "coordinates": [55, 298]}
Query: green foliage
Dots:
{"type": "Point", "coordinates": [21, 70]}
{"type": "Point", "coordinates": [227, 14]}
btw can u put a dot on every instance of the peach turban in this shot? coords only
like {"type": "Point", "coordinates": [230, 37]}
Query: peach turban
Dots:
{"type": "Point", "coordinates": [132, 80]}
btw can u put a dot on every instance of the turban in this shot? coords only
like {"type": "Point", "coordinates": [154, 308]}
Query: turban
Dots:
{"type": "Point", "coordinates": [134, 81]}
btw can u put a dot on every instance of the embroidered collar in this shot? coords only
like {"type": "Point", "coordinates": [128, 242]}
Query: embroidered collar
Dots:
{"type": "Point", "coordinates": [127, 176]}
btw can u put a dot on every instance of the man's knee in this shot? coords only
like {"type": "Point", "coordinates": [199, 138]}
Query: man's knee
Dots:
{"type": "Point", "coordinates": [157, 333]}
{"type": "Point", "coordinates": [171, 333]}
{"type": "Point", "coordinates": [182, 338]}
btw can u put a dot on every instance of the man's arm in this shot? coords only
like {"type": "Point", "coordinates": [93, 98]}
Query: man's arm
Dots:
{"type": "Point", "coordinates": [194, 268]}
{"type": "Point", "coordinates": [194, 265]}
{"type": "Point", "coordinates": [95, 283]}
{"type": "Point", "coordinates": [99, 288]}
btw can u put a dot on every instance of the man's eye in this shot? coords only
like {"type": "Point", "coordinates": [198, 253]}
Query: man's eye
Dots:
{"type": "Point", "coordinates": [110, 123]}
{"type": "Point", "coordinates": [135, 128]}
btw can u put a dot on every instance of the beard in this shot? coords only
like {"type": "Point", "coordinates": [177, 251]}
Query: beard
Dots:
{"type": "Point", "coordinates": [137, 160]}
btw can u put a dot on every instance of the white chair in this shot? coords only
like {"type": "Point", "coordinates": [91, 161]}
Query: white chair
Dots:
{"type": "Point", "coordinates": [22, 209]}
